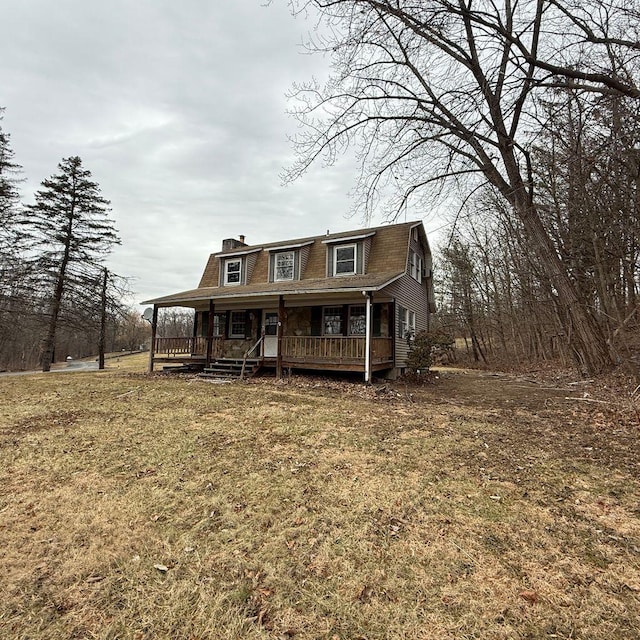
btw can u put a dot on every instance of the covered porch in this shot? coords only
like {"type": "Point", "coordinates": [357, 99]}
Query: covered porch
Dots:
{"type": "Point", "coordinates": [304, 352]}
{"type": "Point", "coordinates": [340, 333]}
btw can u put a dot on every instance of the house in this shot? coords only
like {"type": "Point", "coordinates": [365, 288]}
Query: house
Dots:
{"type": "Point", "coordinates": [346, 301]}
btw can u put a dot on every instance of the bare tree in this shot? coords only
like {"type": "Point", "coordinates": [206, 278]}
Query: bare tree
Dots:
{"type": "Point", "coordinates": [132, 332]}
{"type": "Point", "coordinates": [588, 174]}
{"type": "Point", "coordinates": [446, 93]}
{"type": "Point", "coordinates": [492, 291]}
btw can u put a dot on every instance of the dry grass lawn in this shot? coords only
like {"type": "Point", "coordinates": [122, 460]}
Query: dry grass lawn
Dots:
{"type": "Point", "coordinates": [170, 507]}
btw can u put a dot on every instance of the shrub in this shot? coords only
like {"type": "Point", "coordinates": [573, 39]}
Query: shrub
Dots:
{"type": "Point", "coordinates": [421, 353]}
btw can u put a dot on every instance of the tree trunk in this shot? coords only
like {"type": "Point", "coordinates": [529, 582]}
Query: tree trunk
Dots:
{"type": "Point", "coordinates": [50, 339]}
{"type": "Point", "coordinates": [585, 337]}
{"type": "Point", "coordinates": [103, 319]}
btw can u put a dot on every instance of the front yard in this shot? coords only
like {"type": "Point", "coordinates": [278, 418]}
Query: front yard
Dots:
{"type": "Point", "coordinates": [479, 507]}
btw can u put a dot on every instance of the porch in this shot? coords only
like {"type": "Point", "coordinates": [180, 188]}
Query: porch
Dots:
{"type": "Point", "coordinates": [346, 353]}
{"type": "Point", "coordinates": [338, 353]}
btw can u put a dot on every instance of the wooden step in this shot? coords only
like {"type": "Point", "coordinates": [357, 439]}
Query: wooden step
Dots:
{"type": "Point", "coordinates": [231, 368]}
{"type": "Point", "coordinates": [183, 368]}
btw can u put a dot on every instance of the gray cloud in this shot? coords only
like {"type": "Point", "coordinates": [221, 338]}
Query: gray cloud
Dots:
{"type": "Point", "coordinates": [178, 109]}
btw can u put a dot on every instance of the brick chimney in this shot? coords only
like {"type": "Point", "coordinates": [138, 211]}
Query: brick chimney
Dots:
{"type": "Point", "coordinates": [229, 244]}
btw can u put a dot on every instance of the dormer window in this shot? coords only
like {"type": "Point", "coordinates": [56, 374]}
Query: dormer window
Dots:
{"type": "Point", "coordinates": [344, 260]}
{"type": "Point", "coordinates": [347, 255]}
{"type": "Point", "coordinates": [233, 271]}
{"type": "Point", "coordinates": [284, 264]}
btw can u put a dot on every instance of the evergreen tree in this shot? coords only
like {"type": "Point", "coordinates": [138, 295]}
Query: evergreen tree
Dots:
{"type": "Point", "coordinates": [69, 234]}
{"type": "Point", "coordinates": [9, 202]}
{"type": "Point", "coordinates": [11, 267]}
{"type": "Point", "coordinates": [9, 195]}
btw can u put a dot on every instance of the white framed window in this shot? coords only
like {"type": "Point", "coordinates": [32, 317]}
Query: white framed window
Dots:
{"type": "Point", "coordinates": [237, 326]}
{"type": "Point", "coordinates": [233, 271]}
{"type": "Point", "coordinates": [415, 266]}
{"type": "Point", "coordinates": [357, 320]}
{"type": "Point", "coordinates": [407, 324]}
{"type": "Point", "coordinates": [344, 260]}
{"type": "Point", "coordinates": [283, 268]}
{"type": "Point", "coordinates": [332, 321]}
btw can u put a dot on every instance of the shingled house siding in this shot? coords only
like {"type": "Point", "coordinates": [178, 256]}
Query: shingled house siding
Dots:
{"type": "Point", "coordinates": [210, 277]}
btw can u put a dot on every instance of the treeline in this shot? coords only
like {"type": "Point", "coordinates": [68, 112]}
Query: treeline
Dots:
{"type": "Point", "coordinates": [57, 297]}
{"type": "Point", "coordinates": [586, 176]}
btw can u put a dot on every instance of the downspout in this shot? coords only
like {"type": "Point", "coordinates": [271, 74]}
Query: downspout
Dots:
{"type": "Point", "coordinates": [279, 339]}
{"type": "Point", "coordinates": [367, 346]}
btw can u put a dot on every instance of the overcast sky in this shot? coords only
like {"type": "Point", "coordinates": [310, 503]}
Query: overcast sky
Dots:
{"type": "Point", "coordinates": [179, 111]}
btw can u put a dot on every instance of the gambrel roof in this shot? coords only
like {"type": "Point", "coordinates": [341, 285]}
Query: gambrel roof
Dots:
{"type": "Point", "coordinates": [387, 250]}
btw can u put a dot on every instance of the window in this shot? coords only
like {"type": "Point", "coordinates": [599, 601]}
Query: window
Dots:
{"type": "Point", "coordinates": [407, 324]}
{"type": "Point", "coordinates": [237, 328]}
{"type": "Point", "coordinates": [233, 271]}
{"type": "Point", "coordinates": [284, 266]}
{"type": "Point", "coordinates": [271, 324]}
{"type": "Point", "coordinates": [344, 260]}
{"type": "Point", "coordinates": [415, 266]}
{"type": "Point", "coordinates": [357, 320]}
{"type": "Point", "coordinates": [332, 321]}
{"type": "Point", "coordinates": [218, 323]}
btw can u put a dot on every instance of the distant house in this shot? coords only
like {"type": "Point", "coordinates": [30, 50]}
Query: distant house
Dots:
{"type": "Point", "coordinates": [347, 301]}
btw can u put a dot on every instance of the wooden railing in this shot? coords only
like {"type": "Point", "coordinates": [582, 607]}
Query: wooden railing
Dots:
{"type": "Point", "coordinates": [335, 348]}
{"type": "Point", "coordinates": [381, 349]}
{"type": "Point", "coordinates": [174, 347]}
{"type": "Point", "coordinates": [338, 349]}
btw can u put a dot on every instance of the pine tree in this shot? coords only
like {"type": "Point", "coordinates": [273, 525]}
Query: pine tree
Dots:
{"type": "Point", "coordinates": [9, 202]}
{"type": "Point", "coordinates": [9, 172]}
{"type": "Point", "coordinates": [11, 266]}
{"type": "Point", "coordinates": [69, 234]}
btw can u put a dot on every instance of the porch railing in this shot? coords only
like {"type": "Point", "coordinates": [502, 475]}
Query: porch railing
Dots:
{"type": "Point", "coordinates": [381, 349]}
{"type": "Point", "coordinates": [194, 346]}
{"type": "Point", "coordinates": [335, 348]}
{"type": "Point", "coordinates": [347, 349]}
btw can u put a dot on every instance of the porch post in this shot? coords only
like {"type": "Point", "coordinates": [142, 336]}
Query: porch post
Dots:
{"type": "Point", "coordinates": [280, 327]}
{"type": "Point", "coordinates": [367, 346]}
{"type": "Point", "coordinates": [207, 361]}
{"type": "Point", "coordinates": [154, 328]}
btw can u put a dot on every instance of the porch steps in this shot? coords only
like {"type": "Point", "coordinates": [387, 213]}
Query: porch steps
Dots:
{"type": "Point", "coordinates": [230, 368]}
{"type": "Point", "coordinates": [183, 368]}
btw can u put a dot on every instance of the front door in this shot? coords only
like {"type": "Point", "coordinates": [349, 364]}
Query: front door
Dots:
{"type": "Point", "coordinates": [270, 324]}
